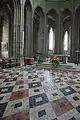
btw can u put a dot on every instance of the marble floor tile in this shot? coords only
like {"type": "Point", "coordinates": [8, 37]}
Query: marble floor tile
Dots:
{"type": "Point", "coordinates": [33, 94]}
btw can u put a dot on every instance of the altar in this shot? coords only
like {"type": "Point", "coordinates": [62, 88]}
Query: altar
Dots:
{"type": "Point", "coordinates": [63, 58]}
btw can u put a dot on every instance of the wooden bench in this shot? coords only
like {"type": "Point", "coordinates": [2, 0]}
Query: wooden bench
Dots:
{"type": "Point", "coordinates": [28, 61]}
{"type": "Point", "coordinates": [10, 62]}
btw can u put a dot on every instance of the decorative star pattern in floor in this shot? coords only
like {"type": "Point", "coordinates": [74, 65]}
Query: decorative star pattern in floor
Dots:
{"type": "Point", "coordinates": [39, 95]}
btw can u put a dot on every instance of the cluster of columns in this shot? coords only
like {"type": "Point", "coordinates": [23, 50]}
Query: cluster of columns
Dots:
{"type": "Point", "coordinates": [24, 42]}
{"type": "Point", "coordinates": [75, 37]}
{"type": "Point", "coordinates": [25, 38]}
{"type": "Point", "coordinates": [17, 42]}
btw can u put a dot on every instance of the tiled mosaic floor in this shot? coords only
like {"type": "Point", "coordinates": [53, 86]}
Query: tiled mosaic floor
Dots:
{"type": "Point", "coordinates": [39, 95]}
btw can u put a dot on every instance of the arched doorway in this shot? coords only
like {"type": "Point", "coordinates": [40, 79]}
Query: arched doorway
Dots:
{"type": "Point", "coordinates": [28, 42]}
{"type": "Point", "coordinates": [38, 31]}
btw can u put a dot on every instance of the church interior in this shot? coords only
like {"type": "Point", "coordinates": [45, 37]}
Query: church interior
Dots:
{"type": "Point", "coordinates": [39, 60]}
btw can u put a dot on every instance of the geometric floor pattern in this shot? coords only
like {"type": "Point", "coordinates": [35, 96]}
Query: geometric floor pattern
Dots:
{"type": "Point", "coordinates": [39, 94]}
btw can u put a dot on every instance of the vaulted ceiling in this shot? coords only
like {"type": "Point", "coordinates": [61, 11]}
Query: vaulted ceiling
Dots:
{"type": "Point", "coordinates": [2, 1]}
{"type": "Point", "coordinates": [7, 5]}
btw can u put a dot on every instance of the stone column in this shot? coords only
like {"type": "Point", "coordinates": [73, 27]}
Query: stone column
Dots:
{"type": "Point", "coordinates": [0, 50]}
{"type": "Point", "coordinates": [29, 34]}
{"type": "Point", "coordinates": [57, 35]}
{"type": "Point", "coordinates": [46, 37]}
{"type": "Point", "coordinates": [61, 40]}
{"type": "Point", "coordinates": [53, 40]}
{"type": "Point", "coordinates": [76, 39]}
{"type": "Point", "coordinates": [17, 40]}
{"type": "Point", "coordinates": [69, 40]}
{"type": "Point", "coordinates": [47, 41]}
{"type": "Point", "coordinates": [72, 46]}
{"type": "Point", "coordinates": [35, 31]}
{"type": "Point", "coordinates": [10, 36]}
{"type": "Point", "coordinates": [77, 32]}
{"type": "Point", "coordinates": [28, 41]}
{"type": "Point", "coordinates": [0, 34]}
{"type": "Point", "coordinates": [22, 33]}
{"type": "Point", "coordinates": [41, 36]}
{"type": "Point", "coordinates": [31, 44]}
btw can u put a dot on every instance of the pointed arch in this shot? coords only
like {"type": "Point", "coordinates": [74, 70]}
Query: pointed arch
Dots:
{"type": "Point", "coordinates": [38, 12]}
{"type": "Point", "coordinates": [66, 14]}
{"type": "Point", "coordinates": [77, 12]}
{"type": "Point", "coordinates": [52, 14]}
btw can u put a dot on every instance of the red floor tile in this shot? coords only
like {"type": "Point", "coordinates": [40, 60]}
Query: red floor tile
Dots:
{"type": "Point", "coordinates": [61, 106]}
{"type": "Point", "coordinates": [19, 95]}
{"type": "Point", "coordinates": [19, 82]}
{"type": "Point", "coordinates": [19, 116]}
